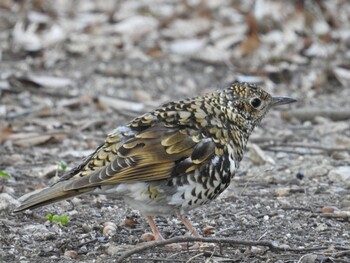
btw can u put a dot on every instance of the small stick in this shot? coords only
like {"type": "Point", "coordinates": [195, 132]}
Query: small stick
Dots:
{"type": "Point", "coordinates": [310, 114]}
{"type": "Point", "coordinates": [270, 244]}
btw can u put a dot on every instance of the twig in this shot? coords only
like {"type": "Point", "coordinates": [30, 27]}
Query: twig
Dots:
{"type": "Point", "coordinates": [321, 149]}
{"type": "Point", "coordinates": [195, 256]}
{"type": "Point", "coordinates": [270, 244]}
{"type": "Point", "coordinates": [291, 151]}
{"type": "Point", "coordinates": [310, 146]}
{"type": "Point", "coordinates": [310, 114]}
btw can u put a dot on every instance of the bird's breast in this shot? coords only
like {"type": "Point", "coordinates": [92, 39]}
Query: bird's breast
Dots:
{"type": "Point", "coordinates": [204, 184]}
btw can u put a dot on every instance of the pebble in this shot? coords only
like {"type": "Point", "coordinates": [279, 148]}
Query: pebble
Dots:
{"type": "Point", "coordinates": [316, 171]}
{"type": "Point", "coordinates": [109, 229]}
{"type": "Point", "coordinates": [136, 26]}
{"type": "Point", "coordinates": [257, 250]}
{"type": "Point", "coordinates": [187, 46]}
{"type": "Point", "coordinates": [86, 228]}
{"type": "Point", "coordinates": [187, 28]}
{"type": "Point", "coordinates": [71, 254]}
{"type": "Point", "coordinates": [340, 174]}
{"type": "Point", "coordinates": [258, 156]}
{"type": "Point", "coordinates": [7, 202]}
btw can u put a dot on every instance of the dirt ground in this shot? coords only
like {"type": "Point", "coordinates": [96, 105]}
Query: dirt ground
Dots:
{"type": "Point", "coordinates": [71, 71]}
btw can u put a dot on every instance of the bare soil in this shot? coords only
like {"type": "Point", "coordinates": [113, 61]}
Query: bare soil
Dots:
{"type": "Point", "coordinates": [58, 101]}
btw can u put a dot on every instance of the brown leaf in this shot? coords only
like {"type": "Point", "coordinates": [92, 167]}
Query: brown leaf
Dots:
{"type": "Point", "coordinates": [208, 230]}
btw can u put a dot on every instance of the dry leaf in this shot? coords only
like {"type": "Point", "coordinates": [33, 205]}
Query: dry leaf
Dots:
{"type": "Point", "coordinates": [32, 139]}
{"type": "Point", "coordinates": [208, 230]}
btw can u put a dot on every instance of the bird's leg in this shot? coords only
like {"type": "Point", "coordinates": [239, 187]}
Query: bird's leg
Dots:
{"type": "Point", "coordinates": [156, 233]}
{"type": "Point", "coordinates": [158, 236]}
{"type": "Point", "coordinates": [188, 225]}
{"type": "Point", "coordinates": [194, 232]}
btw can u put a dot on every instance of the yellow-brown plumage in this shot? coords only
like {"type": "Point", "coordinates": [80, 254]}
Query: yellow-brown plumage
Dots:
{"type": "Point", "coordinates": [180, 156]}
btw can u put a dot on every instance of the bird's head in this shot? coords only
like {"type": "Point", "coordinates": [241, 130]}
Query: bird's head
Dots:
{"type": "Point", "coordinates": [246, 104]}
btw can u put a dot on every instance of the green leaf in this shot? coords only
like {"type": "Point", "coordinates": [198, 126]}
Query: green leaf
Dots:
{"type": "Point", "coordinates": [4, 174]}
{"type": "Point", "coordinates": [62, 165]}
{"type": "Point", "coordinates": [56, 218]}
{"type": "Point", "coordinates": [49, 217]}
{"type": "Point", "coordinates": [64, 220]}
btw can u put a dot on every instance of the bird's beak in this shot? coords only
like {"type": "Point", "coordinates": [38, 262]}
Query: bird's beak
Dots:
{"type": "Point", "coordinates": [276, 101]}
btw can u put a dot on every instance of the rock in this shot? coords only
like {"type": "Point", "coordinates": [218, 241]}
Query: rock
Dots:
{"type": "Point", "coordinates": [109, 229]}
{"type": "Point", "coordinates": [187, 46]}
{"type": "Point", "coordinates": [340, 155]}
{"type": "Point", "coordinates": [213, 54]}
{"type": "Point", "coordinates": [316, 171]}
{"type": "Point", "coordinates": [187, 28]}
{"type": "Point", "coordinates": [71, 254]}
{"type": "Point", "coordinates": [328, 209]}
{"type": "Point", "coordinates": [7, 202]}
{"type": "Point", "coordinates": [136, 26]}
{"type": "Point", "coordinates": [258, 156]}
{"type": "Point", "coordinates": [340, 174]}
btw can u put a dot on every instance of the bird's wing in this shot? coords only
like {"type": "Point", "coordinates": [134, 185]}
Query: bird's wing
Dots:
{"type": "Point", "coordinates": [156, 153]}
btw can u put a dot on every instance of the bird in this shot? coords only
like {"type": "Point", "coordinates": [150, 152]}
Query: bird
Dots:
{"type": "Point", "coordinates": [180, 156]}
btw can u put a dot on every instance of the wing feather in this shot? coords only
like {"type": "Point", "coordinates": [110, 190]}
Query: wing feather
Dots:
{"type": "Point", "coordinates": [156, 153]}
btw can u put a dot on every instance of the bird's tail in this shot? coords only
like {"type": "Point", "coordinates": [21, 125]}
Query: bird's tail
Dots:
{"type": "Point", "coordinates": [48, 195]}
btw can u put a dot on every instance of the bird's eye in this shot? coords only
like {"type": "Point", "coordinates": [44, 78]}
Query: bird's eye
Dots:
{"type": "Point", "coordinates": [256, 102]}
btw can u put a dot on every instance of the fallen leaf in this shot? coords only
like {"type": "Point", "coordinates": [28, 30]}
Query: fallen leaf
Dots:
{"type": "Point", "coordinates": [31, 139]}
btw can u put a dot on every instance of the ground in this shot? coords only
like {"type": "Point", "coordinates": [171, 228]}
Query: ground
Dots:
{"type": "Point", "coordinates": [70, 72]}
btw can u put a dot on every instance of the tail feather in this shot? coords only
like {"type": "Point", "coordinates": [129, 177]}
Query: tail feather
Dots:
{"type": "Point", "coordinates": [48, 195]}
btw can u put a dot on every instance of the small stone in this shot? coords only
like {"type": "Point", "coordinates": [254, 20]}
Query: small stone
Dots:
{"type": "Point", "coordinates": [282, 192]}
{"type": "Point", "coordinates": [328, 209]}
{"type": "Point", "coordinates": [258, 156]}
{"type": "Point", "coordinates": [71, 254]}
{"type": "Point", "coordinates": [340, 155]}
{"type": "Point", "coordinates": [342, 214]}
{"type": "Point", "coordinates": [340, 174]}
{"type": "Point", "coordinates": [136, 26]}
{"type": "Point", "coordinates": [109, 229]}
{"type": "Point", "coordinates": [187, 46]}
{"type": "Point", "coordinates": [7, 202]}
{"type": "Point", "coordinates": [257, 250]}
{"type": "Point", "coordinates": [315, 172]}
{"type": "Point", "coordinates": [86, 228]}
{"type": "Point", "coordinates": [299, 176]}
